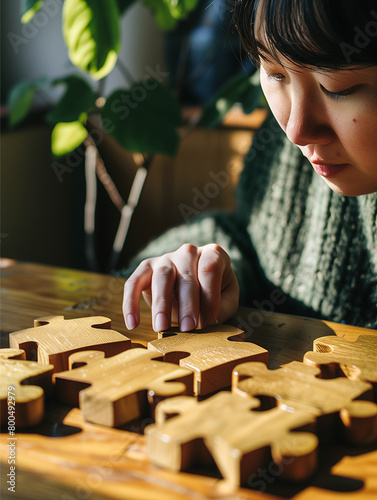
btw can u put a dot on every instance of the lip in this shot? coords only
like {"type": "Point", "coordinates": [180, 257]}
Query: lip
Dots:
{"type": "Point", "coordinates": [327, 169]}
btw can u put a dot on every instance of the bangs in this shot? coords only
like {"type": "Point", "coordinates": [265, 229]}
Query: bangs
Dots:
{"type": "Point", "coordinates": [310, 33]}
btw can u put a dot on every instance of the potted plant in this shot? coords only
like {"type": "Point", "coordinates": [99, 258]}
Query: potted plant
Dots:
{"type": "Point", "coordinates": [144, 117]}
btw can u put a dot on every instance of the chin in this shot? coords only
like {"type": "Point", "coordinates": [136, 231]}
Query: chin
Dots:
{"type": "Point", "coordinates": [345, 189]}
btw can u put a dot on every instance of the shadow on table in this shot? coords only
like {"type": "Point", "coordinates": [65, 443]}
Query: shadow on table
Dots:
{"type": "Point", "coordinates": [286, 337]}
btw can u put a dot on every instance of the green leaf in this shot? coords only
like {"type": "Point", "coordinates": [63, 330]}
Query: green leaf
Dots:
{"type": "Point", "coordinates": [29, 8]}
{"type": "Point", "coordinates": [124, 4]}
{"type": "Point", "coordinates": [78, 98]}
{"type": "Point", "coordinates": [91, 31]}
{"type": "Point", "coordinates": [144, 119]}
{"type": "Point", "coordinates": [241, 89]}
{"type": "Point", "coordinates": [168, 12]}
{"type": "Point", "coordinates": [66, 137]}
{"type": "Point", "coordinates": [21, 98]}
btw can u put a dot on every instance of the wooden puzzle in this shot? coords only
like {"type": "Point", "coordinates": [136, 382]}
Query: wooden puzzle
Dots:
{"type": "Point", "coordinates": [209, 353]}
{"type": "Point", "coordinates": [239, 439]}
{"type": "Point", "coordinates": [298, 387]}
{"type": "Point", "coordinates": [53, 339]}
{"type": "Point", "coordinates": [116, 390]}
{"type": "Point", "coordinates": [356, 360]}
{"type": "Point", "coordinates": [22, 388]}
{"type": "Point", "coordinates": [273, 417]}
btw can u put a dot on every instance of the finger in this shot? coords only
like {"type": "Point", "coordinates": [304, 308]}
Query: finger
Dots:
{"type": "Point", "coordinates": [187, 287]}
{"type": "Point", "coordinates": [138, 281]}
{"type": "Point", "coordinates": [211, 266]}
{"type": "Point", "coordinates": [163, 280]}
{"type": "Point", "coordinates": [229, 297]}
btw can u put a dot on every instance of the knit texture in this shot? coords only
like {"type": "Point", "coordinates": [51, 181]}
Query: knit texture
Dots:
{"type": "Point", "coordinates": [291, 232]}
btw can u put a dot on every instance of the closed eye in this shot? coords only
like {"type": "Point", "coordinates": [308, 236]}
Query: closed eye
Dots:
{"type": "Point", "coordinates": [342, 93]}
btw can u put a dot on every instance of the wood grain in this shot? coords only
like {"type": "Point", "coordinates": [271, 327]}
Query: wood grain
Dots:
{"type": "Point", "coordinates": [105, 463]}
{"type": "Point", "coordinates": [53, 339]}
{"type": "Point", "coordinates": [22, 389]}
{"type": "Point", "coordinates": [116, 390]}
{"type": "Point", "coordinates": [299, 386]}
{"type": "Point", "coordinates": [210, 353]}
{"type": "Point", "coordinates": [39, 290]}
{"type": "Point", "coordinates": [240, 440]}
{"type": "Point", "coordinates": [355, 359]}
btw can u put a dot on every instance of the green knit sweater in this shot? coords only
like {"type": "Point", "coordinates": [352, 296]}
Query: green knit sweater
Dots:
{"type": "Point", "coordinates": [291, 232]}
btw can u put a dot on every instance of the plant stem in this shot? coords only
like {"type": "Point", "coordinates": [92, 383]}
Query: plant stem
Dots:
{"type": "Point", "coordinates": [105, 178]}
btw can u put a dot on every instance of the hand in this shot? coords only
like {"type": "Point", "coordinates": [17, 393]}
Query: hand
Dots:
{"type": "Point", "coordinates": [194, 286]}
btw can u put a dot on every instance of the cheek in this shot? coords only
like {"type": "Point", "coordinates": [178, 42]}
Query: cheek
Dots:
{"type": "Point", "coordinates": [359, 138]}
{"type": "Point", "coordinates": [277, 101]}
{"type": "Point", "coordinates": [356, 129]}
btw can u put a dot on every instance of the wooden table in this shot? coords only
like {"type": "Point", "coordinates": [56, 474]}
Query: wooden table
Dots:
{"type": "Point", "coordinates": [67, 458]}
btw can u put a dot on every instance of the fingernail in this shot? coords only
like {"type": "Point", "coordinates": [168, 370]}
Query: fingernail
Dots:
{"type": "Point", "coordinates": [161, 322]}
{"type": "Point", "coordinates": [187, 324]}
{"type": "Point", "coordinates": [130, 321]}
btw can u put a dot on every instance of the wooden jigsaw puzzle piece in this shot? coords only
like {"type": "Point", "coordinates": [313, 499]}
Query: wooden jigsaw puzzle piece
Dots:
{"type": "Point", "coordinates": [356, 360]}
{"type": "Point", "coordinates": [8, 353]}
{"type": "Point", "coordinates": [114, 391]}
{"type": "Point", "coordinates": [209, 353]}
{"type": "Point", "coordinates": [53, 339]}
{"type": "Point", "coordinates": [240, 440]}
{"type": "Point", "coordinates": [22, 389]}
{"type": "Point", "coordinates": [298, 386]}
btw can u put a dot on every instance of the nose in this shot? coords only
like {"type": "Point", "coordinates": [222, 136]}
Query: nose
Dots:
{"type": "Point", "coordinates": [307, 122]}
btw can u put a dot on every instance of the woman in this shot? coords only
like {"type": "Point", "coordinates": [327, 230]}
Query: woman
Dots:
{"type": "Point", "coordinates": [304, 234]}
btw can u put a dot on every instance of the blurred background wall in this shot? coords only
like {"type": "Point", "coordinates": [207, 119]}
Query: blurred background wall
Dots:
{"type": "Point", "coordinates": [42, 218]}
{"type": "Point", "coordinates": [37, 49]}
{"type": "Point", "coordinates": [42, 214]}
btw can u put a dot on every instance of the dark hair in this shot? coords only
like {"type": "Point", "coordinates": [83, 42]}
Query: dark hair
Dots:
{"type": "Point", "coordinates": [326, 34]}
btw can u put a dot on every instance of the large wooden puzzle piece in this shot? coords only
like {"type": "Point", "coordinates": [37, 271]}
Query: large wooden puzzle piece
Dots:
{"type": "Point", "coordinates": [356, 360]}
{"type": "Point", "coordinates": [22, 389]}
{"type": "Point", "coordinates": [114, 391]}
{"type": "Point", "coordinates": [298, 386]}
{"type": "Point", "coordinates": [53, 339]}
{"type": "Point", "coordinates": [239, 439]}
{"type": "Point", "coordinates": [209, 353]}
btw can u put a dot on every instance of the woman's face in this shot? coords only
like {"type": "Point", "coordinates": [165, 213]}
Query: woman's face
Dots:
{"type": "Point", "coordinates": [331, 116]}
